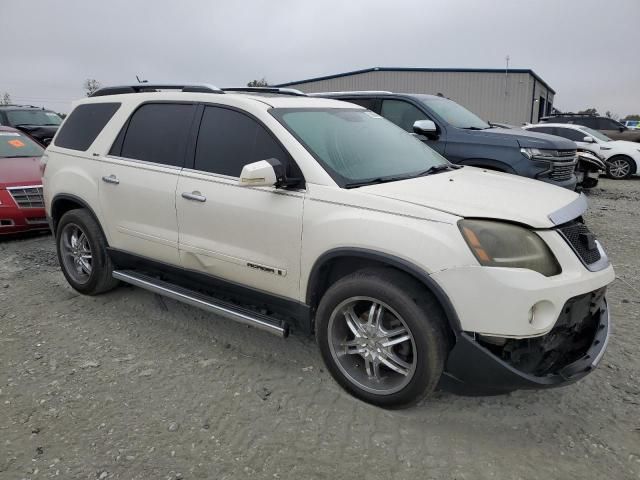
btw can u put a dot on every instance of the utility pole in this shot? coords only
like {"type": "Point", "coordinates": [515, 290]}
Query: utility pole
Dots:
{"type": "Point", "coordinates": [506, 76]}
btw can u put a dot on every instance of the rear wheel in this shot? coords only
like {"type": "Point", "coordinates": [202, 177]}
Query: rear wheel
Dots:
{"type": "Point", "coordinates": [82, 253]}
{"type": "Point", "coordinates": [619, 167]}
{"type": "Point", "coordinates": [381, 337]}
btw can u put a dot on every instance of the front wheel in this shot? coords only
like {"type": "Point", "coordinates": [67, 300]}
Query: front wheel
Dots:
{"type": "Point", "coordinates": [619, 167]}
{"type": "Point", "coordinates": [82, 253]}
{"type": "Point", "coordinates": [382, 337]}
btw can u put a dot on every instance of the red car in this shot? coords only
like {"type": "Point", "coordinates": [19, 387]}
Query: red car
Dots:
{"type": "Point", "coordinates": [21, 202]}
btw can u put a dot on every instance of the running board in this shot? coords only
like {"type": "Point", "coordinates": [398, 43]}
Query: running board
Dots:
{"type": "Point", "coordinates": [205, 302]}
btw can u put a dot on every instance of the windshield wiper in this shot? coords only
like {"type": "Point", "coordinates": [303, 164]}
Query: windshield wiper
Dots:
{"type": "Point", "coordinates": [434, 169]}
{"type": "Point", "coordinates": [475, 128]}
{"type": "Point", "coordinates": [374, 181]}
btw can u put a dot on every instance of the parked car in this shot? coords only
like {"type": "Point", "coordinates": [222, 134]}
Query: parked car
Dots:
{"type": "Point", "coordinates": [633, 124]}
{"type": "Point", "coordinates": [39, 123]}
{"type": "Point", "coordinates": [607, 126]}
{"type": "Point", "coordinates": [622, 158]}
{"type": "Point", "coordinates": [465, 139]}
{"type": "Point", "coordinates": [21, 203]}
{"type": "Point", "coordinates": [283, 211]}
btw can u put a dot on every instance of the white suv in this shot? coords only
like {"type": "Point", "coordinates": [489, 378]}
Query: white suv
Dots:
{"type": "Point", "coordinates": [622, 157]}
{"type": "Point", "coordinates": [283, 211]}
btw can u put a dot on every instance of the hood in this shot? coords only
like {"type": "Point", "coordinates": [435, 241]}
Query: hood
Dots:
{"type": "Point", "coordinates": [623, 145]}
{"type": "Point", "coordinates": [518, 137]}
{"type": "Point", "coordinates": [19, 171]}
{"type": "Point", "coordinates": [40, 132]}
{"type": "Point", "coordinates": [474, 192]}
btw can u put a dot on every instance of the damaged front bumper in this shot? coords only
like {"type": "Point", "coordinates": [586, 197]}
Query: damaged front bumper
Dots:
{"type": "Point", "coordinates": [571, 350]}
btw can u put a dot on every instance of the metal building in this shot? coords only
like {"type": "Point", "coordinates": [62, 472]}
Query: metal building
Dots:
{"type": "Point", "coordinates": [513, 96]}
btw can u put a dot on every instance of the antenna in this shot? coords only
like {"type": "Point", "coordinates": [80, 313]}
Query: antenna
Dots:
{"type": "Point", "coordinates": [141, 81]}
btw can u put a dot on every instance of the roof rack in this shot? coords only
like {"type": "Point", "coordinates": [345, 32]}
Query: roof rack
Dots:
{"type": "Point", "coordinates": [355, 92]}
{"type": "Point", "coordinates": [22, 106]}
{"type": "Point", "coordinates": [153, 87]}
{"type": "Point", "coordinates": [281, 91]}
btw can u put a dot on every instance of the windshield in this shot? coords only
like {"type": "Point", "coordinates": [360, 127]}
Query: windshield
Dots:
{"type": "Point", "coordinates": [14, 144]}
{"type": "Point", "coordinates": [358, 146]}
{"type": "Point", "coordinates": [596, 134]}
{"type": "Point", "coordinates": [454, 114]}
{"type": "Point", "coordinates": [33, 117]}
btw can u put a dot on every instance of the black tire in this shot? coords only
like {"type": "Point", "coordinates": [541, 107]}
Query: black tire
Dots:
{"type": "Point", "coordinates": [420, 312]}
{"type": "Point", "coordinates": [620, 167]}
{"type": "Point", "coordinates": [100, 279]}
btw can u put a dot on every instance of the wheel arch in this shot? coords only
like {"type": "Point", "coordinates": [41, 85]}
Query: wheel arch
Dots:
{"type": "Point", "coordinates": [336, 263]}
{"type": "Point", "coordinates": [64, 202]}
{"type": "Point", "coordinates": [634, 163]}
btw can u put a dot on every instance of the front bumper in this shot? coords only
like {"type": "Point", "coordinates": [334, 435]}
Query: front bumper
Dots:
{"type": "Point", "coordinates": [563, 356]}
{"type": "Point", "coordinates": [18, 220]}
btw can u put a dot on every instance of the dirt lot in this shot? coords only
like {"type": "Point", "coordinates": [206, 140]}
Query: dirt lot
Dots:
{"type": "Point", "coordinates": [130, 386]}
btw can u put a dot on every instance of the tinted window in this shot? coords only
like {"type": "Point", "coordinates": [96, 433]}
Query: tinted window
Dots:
{"type": "Point", "coordinates": [157, 132]}
{"type": "Point", "coordinates": [590, 122]}
{"type": "Point", "coordinates": [229, 140]}
{"type": "Point", "coordinates": [84, 124]}
{"type": "Point", "coordinates": [548, 130]}
{"type": "Point", "coordinates": [33, 117]}
{"type": "Point", "coordinates": [369, 103]}
{"type": "Point", "coordinates": [608, 124]}
{"type": "Point", "coordinates": [570, 134]}
{"type": "Point", "coordinates": [453, 113]}
{"type": "Point", "coordinates": [401, 113]}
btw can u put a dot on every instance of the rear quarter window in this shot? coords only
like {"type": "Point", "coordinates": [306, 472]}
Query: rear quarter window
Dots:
{"type": "Point", "coordinates": [84, 124]}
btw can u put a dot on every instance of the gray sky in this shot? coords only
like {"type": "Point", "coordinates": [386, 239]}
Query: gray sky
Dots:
{"type": "Point", "coordinates": [587, 50]}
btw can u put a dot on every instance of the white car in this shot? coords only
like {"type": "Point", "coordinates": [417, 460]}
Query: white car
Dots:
{"type": "Point", "coordinates": [284, 211]}
{"type": "Point", "coordinates": [622, 157]}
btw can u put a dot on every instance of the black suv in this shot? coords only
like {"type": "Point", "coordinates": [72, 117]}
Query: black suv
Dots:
{"type": "Point", "coordinates": [41, 124]}
{"type": "Point", "coordinates": [610, 127]}
{"type": "Point", "coordinates": [465, 139]}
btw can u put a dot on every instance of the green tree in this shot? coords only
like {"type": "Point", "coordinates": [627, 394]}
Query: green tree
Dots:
{"type": "Point", "coordinates": [634, 116]}
{"type": "Point", "coordinates": [91, 85]}
{"type": "Point", "coordinates": [589, 111]}
{"type": "Point", "coordinates": [258, 83]}
{"type": "Point", "coordinates": [6, 99]}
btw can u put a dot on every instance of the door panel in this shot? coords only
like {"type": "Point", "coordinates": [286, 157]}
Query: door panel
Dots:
{"type": "Point", "coordinates": [140, 210]}
{"type": "Point", "coordinates": [246, 235]}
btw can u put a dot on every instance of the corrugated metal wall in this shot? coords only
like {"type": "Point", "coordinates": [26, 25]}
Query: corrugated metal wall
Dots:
{"type": "Point", "coordinates": [492, 96]}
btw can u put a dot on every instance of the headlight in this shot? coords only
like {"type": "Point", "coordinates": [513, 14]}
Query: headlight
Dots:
{"type": "Point", "coordinates": [498, 244]}
{"type": "Point", "coordinates": [538, 152]}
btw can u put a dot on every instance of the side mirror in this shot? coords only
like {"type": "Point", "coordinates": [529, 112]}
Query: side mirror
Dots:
{"type": "Point", "coordinates": [589, 139]}
{"type": "Point", "coordinates": [46, 141]}
{"type": "Point", "coordinates": [265, 173]}
{"type": "Point", "coordinates": [622, 128]}
{"type": "Point", "coordinates": [425, 127]}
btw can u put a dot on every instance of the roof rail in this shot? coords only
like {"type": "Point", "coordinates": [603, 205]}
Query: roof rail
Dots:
{"type": "Point", "coordinates": [281, 91]}
{"type": "Point", "coordinates": [354, 92]}
{"type": "Point", "coordinates": [153, 87]}
{"type": "Point", "coordinates": [571, 114]}
{"type": "Point", "coordinates": [19, 105]}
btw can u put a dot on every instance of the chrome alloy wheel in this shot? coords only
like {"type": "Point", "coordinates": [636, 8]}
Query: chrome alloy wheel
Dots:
{"type": "Point", "coordinates": [76, 253]}
{"type": "Point", "coordinates": [619, 168]}
{"type": "Point", "coordinates": [372, 345]}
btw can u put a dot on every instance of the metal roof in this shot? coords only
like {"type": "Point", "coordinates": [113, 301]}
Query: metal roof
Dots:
{"type": "Point", "coordinates": [443, 70]}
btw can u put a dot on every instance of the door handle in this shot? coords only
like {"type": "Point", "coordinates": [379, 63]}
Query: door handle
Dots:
{"type": "Point", "coordinates": [111, 179]}
{"type": "Point", "coordinates": [195, 196]}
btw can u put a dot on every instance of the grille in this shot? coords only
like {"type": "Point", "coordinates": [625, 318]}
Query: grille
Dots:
{"type": "Point", "coordinates": [27, 197]}
{"type": "Point", "coordinates": [566, 153]}
{"type": "Point", "coordinates": [582, 241]}
{"type": "Point", "coordinates": [562, 171]}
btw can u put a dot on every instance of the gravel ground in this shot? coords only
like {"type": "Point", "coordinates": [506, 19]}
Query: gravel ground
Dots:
{"type": "Point", "coordinates": [128, 385]}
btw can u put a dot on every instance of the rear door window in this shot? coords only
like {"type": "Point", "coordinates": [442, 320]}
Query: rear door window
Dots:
{"type": "Point", "coordinates": [228, 140]}
{"type": "Point", "coordinates": [547, 130]}
{"type": "Point", "coordinates": [570, 134]}
{"type": "Point", "coordinates": [158, 133]}
{"type": "Point", "coordinates": [401, 113]}
{"type": "Point", "coordinates": [84, 124]}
